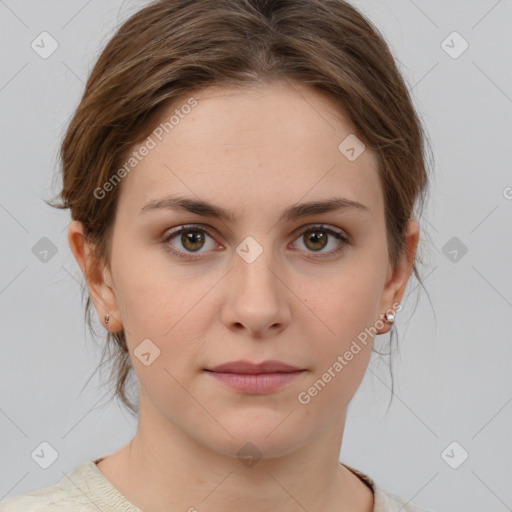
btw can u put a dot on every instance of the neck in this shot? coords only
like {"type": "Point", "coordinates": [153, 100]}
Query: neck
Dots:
{"type": "Point", "coordinates": [163, 468]}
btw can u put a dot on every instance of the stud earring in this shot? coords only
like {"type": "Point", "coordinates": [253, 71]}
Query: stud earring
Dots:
{"type": "Point", "coordinates": [390, 317]}
{"type": "Point", "coordinates": [107, 318]}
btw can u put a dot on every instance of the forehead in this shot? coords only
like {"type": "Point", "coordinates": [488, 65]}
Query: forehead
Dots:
{"type": "Point", "coordinates": [264, 146]}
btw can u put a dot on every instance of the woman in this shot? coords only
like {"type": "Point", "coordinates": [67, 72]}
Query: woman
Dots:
{"type": "Point", "coordinates": [242, 177]}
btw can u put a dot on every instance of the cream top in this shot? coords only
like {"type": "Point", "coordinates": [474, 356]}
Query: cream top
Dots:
{"type": "Point", "coordinates": [86, 489]}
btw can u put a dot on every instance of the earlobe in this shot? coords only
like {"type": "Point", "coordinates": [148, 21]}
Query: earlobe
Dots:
{"type": "Point", "coordinates": [101, 291]}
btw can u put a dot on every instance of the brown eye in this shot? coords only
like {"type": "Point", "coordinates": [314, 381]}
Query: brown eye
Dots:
{"type": "Point", "coordinates": [192, 240]}
{"type": "Point", "coordinates": [315, 240]}
{"type": "Point", "coordinates": [187, 240]}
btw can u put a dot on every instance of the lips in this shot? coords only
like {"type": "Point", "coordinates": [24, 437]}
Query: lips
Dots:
{"type": "Point", "coordinates": [247, 367]}
{"type": "Point", "coordinates": [256, 378]}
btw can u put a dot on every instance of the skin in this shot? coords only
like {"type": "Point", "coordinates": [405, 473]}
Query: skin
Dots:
{"type": "Point", "coordinates": [268, 147]}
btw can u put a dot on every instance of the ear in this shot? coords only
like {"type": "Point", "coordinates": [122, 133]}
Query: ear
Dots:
{"type": "Point", "coordinates": [97, 276]}
{"type": "Point", "coordinates": [397, 278]}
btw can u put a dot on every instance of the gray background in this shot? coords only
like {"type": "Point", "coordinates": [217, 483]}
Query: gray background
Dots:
{"type": "Point", "coordinates": [452, 372]}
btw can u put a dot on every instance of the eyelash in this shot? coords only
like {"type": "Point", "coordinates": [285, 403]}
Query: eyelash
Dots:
{"type": "Point", "coordinates": [195, 227]}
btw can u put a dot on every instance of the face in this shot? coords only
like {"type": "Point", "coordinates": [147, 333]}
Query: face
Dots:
{"type": "Point", "coordinates": [256, 284]}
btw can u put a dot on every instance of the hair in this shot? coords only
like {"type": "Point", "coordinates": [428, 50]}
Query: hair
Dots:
{"type": "Point", "coordinates": [170, 48]}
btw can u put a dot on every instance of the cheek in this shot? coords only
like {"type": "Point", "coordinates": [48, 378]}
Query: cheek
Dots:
{"type": "Point", "coordinates": [341, 307]}
{"type": "Point", "coordinates": [342, 347]}
{"type": "Point", "coordinates": [158, 301]}
{"type": "Point", "coordinates": [145, 295]}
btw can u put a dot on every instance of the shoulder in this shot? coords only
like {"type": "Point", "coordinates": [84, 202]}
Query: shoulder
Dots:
{"type": "Point", "coordinates": [83, 490]}
{"type": "Point", "coordinates": [389, 502]}
{"type": "Point", "coordinates": [47, 499]}
{"type": "Point", "coordinates": [385, 501]}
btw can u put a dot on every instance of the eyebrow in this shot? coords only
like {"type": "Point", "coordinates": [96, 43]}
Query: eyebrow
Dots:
{"type": "Point", "coordinates": [292, 213]}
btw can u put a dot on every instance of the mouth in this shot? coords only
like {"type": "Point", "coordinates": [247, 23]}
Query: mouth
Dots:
{"type": "Point", "coordinates": [255, 378]}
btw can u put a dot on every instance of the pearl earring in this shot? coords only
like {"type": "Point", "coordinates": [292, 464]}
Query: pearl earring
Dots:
{"type": "Point", "coordinates": [390, 317]}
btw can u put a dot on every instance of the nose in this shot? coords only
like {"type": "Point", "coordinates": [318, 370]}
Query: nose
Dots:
{"type": "Point", "coordinates": [257, 297]}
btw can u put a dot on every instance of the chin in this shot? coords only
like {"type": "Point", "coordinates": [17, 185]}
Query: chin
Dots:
{"type": "Point", "coordinates": [256, 439]}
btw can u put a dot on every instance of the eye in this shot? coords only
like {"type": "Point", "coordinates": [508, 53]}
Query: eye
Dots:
{"type": "Point", "coordinates": [316, 238]}
{"type": "Point", "coordinates": [191, 238]}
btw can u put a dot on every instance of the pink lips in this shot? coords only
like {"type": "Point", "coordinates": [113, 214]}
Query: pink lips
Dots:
{"type": "Point", "coordinates": [255, 378]}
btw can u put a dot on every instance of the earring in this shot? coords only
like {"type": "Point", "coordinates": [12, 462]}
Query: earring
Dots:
{"type": "Point", "coordinates": [107, 318]}
{"type": "Point", "coordinates": [390, 317]}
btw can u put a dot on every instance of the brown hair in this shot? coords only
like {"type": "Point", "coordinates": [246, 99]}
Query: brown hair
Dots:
{"type": "Point", "coordinates": [172, 47]}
